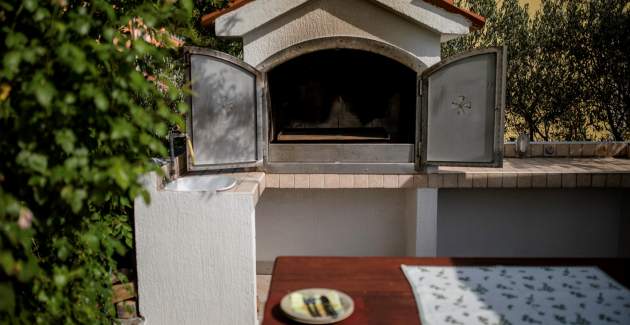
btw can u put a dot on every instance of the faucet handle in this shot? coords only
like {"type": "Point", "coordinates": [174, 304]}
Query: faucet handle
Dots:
{"type": "Point", "coordinates": [190, 149]}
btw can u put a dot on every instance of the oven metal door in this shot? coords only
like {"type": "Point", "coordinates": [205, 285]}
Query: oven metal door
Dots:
{"type": "Point", "coordinates": [462, 101]}
{"type": "Point", "coordinates": [225, 123]}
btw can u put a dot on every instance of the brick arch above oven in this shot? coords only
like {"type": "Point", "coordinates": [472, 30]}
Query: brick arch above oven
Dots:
{"type": "Point", "coordinates": [343, 42]}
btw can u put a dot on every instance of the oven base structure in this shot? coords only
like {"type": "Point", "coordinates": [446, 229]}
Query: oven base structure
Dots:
{"type": "Point", "coordinates": [206, 245]}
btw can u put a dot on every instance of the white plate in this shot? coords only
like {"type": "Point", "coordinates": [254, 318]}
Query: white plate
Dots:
{"type": "Point", "coordinates": [304, 317]}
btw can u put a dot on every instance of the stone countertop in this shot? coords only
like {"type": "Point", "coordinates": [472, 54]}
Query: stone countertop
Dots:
{"type": "Point", "coordinates": [253, 183]}
{"type": "Point", "coordinates": [515, 173]}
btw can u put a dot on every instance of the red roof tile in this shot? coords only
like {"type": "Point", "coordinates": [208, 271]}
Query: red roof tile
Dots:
{"type": "Point", "coordinates": [476, 20]}
{"type": "Point", "coordinates": [208, 19]}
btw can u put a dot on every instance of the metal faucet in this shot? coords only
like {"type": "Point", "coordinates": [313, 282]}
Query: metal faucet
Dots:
{"type": "Point", "coordinates": [172, 134]}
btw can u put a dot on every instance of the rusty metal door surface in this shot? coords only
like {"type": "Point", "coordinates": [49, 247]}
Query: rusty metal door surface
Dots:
{"type": "Point", "coordinates": [462, 110]}
{"type": "Point", "coordinates": [226, 119]}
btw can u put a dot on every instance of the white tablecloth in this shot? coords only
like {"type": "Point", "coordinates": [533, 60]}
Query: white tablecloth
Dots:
{"type": "Point", "coordinates": [517, 295]}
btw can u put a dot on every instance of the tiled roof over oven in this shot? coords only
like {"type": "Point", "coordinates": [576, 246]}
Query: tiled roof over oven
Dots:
{"type": "Point", "coordinates": [208, 19]}
{"type": "Point", "coordinates": [476, 20]}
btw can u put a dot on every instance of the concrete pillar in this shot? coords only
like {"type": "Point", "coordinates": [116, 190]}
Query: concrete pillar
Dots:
{"type": "Point", "coordinates": [195, 257]}
{"type": "Point", "coordinates": [422, 222]}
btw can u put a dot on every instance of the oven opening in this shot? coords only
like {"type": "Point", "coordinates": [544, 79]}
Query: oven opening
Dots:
{"type": "Point", "coordinates": [342, 96]}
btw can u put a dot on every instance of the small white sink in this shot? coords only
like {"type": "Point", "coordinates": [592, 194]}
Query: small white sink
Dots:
{"type": "Point", "coordinates": [202, 183]}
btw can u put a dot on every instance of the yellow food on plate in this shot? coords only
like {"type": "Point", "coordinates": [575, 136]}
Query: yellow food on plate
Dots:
{"type": "Point", "coordinates": [335, 301]}
{"type": "Point", "coordinates": [297, 303]}
{"type": "Point", "coordinates": [320, 306]}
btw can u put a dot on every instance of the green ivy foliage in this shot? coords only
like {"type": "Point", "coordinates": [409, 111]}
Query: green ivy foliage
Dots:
{"type": "Point", "coordinates": [204, 36]}
{"type": "Point", "coordinates": [568, 66]}
{"type": "Point", "coordinates": [83, 107]}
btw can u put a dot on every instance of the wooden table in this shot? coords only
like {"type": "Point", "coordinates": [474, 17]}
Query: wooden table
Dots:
{"type": "Point", "coordinates": [378, 286]}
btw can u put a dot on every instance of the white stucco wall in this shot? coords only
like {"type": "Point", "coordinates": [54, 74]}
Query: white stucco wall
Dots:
{"type": "Point", "coordinates": [534, 223]}
{"type": "Point", "coordinates": [430, 16]}
{"type": "Point", "coordinates": [431, 222]}
{"type": "Point", "coordinates": [368, 222]}
{"type": "Point", "coordinates": [326, 18]}
{"type": "Point", "coordinates": [242, 21]}
{"type": "Point", "coordinates": [195, 257]}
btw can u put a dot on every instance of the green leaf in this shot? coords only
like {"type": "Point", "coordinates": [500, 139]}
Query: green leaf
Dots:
{"type": "Point", "coordinates": [91, 241]}
{"type": "Point", "coordinates": [6, 6]}
{"type": "Point", "coordinates": [60, 279]}
{"type": "Point", "coordinates": [66, 139]}
{"type": "Point", "coordinates": [149, 19]}
{"type": "Point", "coordinates": [41, 14]}
{"type": "Point", "coordinates": [141, 47]}
{"type": "Point", "coordinates": [74, 197]}
{"type": "Point", "coordinates": [122, 129]}
{"type": "Point", "coordinates": [187, 5]}
{"type": "Point", "coordinates": [30, 5]}
{"type": "Point", "coordinates": [44, 92]}
{"type": "Point", "coordinates": [70, 98]}
{"type": "Point", "coordinates": [137, 80]}
{"type": "Point", "coordinates": [7, 262]}
{"type": "Point", "coordinates": [101, 101]}
{"type": "Point", "coordinates": [29, 269]}
{"type": "Point", "coordinates": [63, 252]}
{"type": "Point", "coordinates": [146, 197]}
{"type": "Point", "coordinates": [82, 26]}
{"type": "Point", "coordinates": [119, 173]}
{"type": "Point", "coordinates": [11, 61]}
{"type": "Point", "coordinates": [72, 56]}
{"type": "Point", "coordinates": [109, 33]}
{"type": "Point", "coordinates": [8, 205]}
{"type": "Point", "coordinates": [15, 40]}
{"type": "Point", "coordinates": [182, 107]}
{"type": "Point", "coordinates": [161, 129]}
{"type": "Point", "coordinates": [7, 303]}
{"type": "Point", "coordinates": [33, 161]}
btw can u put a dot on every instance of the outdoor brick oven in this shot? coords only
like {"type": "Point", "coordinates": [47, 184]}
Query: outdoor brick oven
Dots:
{"type": "Point", "coordinates": [345, 88]}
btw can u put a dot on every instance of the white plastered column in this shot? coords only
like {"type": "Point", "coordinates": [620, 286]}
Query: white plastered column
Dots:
{"type": "Point", "coordinates": [421, 234]}
{"type": "Point", "coordinates": [195, 257]}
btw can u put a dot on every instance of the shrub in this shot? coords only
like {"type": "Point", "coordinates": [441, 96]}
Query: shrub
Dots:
{"type": "Point", "coordinates": [84, 103]}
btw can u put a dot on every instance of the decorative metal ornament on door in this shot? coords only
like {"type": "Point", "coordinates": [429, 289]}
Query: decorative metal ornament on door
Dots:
{"type": "Point", "coordinates": [462, 105]}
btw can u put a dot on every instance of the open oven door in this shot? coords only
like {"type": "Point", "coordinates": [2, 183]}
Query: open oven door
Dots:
{"type": "Point", "coordinates": [225, 123]}
{"type": "Point", "coordinates": [462, 104]}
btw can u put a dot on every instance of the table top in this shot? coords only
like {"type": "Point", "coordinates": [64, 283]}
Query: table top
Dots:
{"type": "Point", "coordinates": [379, 288]}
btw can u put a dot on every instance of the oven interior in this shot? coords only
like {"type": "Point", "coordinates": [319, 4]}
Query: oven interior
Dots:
{"type": "Point", "coordinates": [342, 96]}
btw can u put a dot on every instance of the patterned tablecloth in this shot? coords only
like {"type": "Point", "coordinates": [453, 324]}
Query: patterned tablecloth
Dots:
{"type": "Point", "coordinates": [517, 295]}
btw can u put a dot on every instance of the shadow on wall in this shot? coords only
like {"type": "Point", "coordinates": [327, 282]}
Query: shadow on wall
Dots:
{"type": "Point", "coordinates": [531, 222]}
{"type": "Point", "coordinates": [228, 23]}
{"type": "Point", "coordinates": [309, 222]}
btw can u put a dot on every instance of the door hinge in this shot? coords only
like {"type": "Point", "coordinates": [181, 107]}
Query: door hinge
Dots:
{"type": "Point", "coordinates": [420, 88]}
